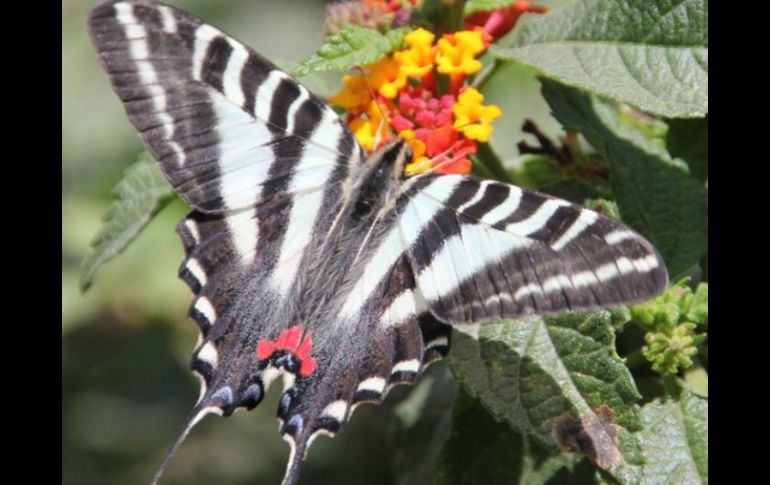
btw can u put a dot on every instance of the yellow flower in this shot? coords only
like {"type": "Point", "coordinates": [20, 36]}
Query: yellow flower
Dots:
{"type": "Point", "coordinates": [365, 128]}
{"type": "Point", "coordinates": [419, 159]}
{"type": "Point", "coordinates": [354, 93]}
{"type": "Point", "coordinates": [417, 60]}
{"type": "Point", "coordinates": [456, 52]}
{"type": "Point", "coordinates": [385, 77]}
{"type": "Point", "coordinates": [473, 119]}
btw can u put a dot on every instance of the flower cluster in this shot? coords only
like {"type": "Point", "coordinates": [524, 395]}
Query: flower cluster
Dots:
{"type": "Point", "coordinates": [676, 321]}
{"type": "Point", "coordinates": [399, 96]}
{"type": "Point", "coordinates": [421, 93]}
{"type": "Point", "coordinates": [376, 14]}
{"type": "Point", "coordinates": [669, 351]}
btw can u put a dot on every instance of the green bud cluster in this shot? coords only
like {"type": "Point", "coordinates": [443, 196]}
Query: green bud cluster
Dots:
{"type": "Point", "coordinates": [673, 320]}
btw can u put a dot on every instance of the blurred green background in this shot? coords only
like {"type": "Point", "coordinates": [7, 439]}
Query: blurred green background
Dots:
{"type": "Point", "coordinates": [126, 343]}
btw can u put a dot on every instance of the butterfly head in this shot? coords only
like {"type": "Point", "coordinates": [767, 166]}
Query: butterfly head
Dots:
{"type": "Point", "coordinates": [388, 162]}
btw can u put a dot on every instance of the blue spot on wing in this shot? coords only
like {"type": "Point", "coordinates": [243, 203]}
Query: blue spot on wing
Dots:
{"type": "Point", "coordinates": [224, 394]}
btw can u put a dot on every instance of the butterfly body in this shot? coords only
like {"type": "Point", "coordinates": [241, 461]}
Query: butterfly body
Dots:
{"type": "Point", "coordinates": [313, 261]}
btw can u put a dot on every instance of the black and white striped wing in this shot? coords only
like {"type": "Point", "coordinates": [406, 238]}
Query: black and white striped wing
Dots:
{"type": "Point", "coordinates": [229, 128]}
{"type": "Point", "coordinates": [482, 250]}
{"type": "Point", "coordinates": [265, 165]}
{"type": "Point", "coordinates": [369, 352]}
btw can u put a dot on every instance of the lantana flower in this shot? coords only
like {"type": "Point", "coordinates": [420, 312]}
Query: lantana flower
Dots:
{"type": "Point", "coordinates": [457, 52]}
{"type": "Point", "coordinates": [417, 60]}
{"type": "Point", "coordinates": [398, 96]}
{"type": "Point", "coordinates": [473, 118]}
{"type": "Point", "coordinates": [369, 126]}
{"type": "Point", "coordinates": [420, 93]}
{"type": "Point", "coordinates": [377, 14]}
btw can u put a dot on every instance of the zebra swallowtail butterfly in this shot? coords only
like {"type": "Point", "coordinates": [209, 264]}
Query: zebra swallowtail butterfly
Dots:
{"type": "Point", "coordinates": [310, 259]}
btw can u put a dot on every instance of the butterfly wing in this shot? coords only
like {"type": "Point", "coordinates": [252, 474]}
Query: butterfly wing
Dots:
{"type": "Point", "coordinates": [482, 250]}
{"type": "Point", "coordinates": [265, 164]}
{"type": "Point", "coordinates": [492, 250]}
{"type": "Point", "coordinates": [364, 356]}
{"type": "Point", "coordinates": [229, 128]}
{"type": "Point", "coordinates": [460, 250]}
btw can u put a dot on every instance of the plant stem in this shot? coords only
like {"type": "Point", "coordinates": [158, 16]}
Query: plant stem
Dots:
{"type": "Point", "coordinates": [484, 76]}
{"type": "Point", "coordinates": [456, 16]}
{"type": "Point", "coordinates": [671, 385]}
{"type": "Point", "coordinates": [480, 170]}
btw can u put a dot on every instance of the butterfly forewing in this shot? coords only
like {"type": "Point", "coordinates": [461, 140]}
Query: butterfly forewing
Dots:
{"type": "Point", "coordinates": [304, 264]}
{"type": "Point", "coordinates": [482, 250]}
{"type": "Point", "coordinates": [228, 128]}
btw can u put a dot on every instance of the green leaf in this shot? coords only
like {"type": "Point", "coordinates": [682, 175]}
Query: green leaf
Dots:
{"type": "Point", "coordinates": [675, 440]}
{"type": "Point", "coordinates": [354, 46]}
{"type": "Point", "coordinates": [689, 140]}
{"type": "Point", "coordinates": [481, 450]}
{"type": "Point", "coordinates": [421, 426]}
{"type": "Point", "coordinates": [697, 380]}
{"type": "Point", "coordinates": [557, 380]}
{"type": "Point", "coordinates": [537, 171]}
{"type": "Point", "coordinates": [604, 206]}
{"type": "Point", "coordinates": [654, 192]}
{"type": "Point", "coordinates": [652, 54]}
{"type": "Point", "coordinates": [141, 194]}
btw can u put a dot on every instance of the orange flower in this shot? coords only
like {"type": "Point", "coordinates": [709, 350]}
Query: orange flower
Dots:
{"type": "Point", "coordinates": [419, 159]}
{"type": "Point", "coordinates": [354, 95]}
{"type": "Point", "coordinates": [385, 77]}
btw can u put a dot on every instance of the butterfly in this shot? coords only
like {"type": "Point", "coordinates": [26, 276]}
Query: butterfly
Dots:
{"type": "Point", "coordinates": [314, 261]}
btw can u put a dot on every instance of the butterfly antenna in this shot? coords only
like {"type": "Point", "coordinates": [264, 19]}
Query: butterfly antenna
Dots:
{"type": "Point", "coordinates": [197, 413]}
{"type": "Point", "coordinates": [383, 115]}
{"type": "Point", "coordinates": [446, 162]}
{"type": "Point", "coordinates": [429, 161]}
{"type": "Point", "coordinates": [445, 152]}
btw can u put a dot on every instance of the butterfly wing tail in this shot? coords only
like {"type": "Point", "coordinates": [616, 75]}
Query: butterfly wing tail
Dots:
{"type": "Point", "coordinates": [197, 413]}
{"type": "Point", "coordinates": [296, 457]}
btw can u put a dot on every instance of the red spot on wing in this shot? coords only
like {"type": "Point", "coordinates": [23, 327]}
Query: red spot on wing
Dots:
{"type": "Point", "coordinates": [265, 349]}
{"type": "Point", "coordinates": [303, 351]}
{"type": "Point", "coordinates": [308, 366]}
{"type": "Point", "coordinates": [290, 340]}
